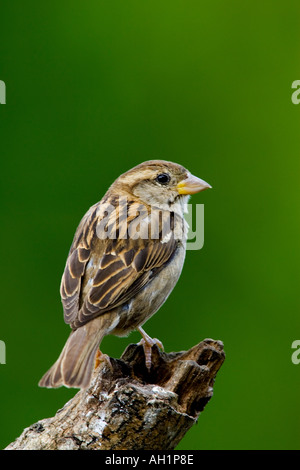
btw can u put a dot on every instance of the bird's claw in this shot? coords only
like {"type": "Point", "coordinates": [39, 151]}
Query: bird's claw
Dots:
{"type": "Point", "coordinates": [147, 342]}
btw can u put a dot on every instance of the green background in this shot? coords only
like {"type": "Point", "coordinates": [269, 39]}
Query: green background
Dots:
{"type": "Point", "coordinates": [94, 88]}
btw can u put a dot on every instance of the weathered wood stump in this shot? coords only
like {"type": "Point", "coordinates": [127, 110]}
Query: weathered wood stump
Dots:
{"type": "Point", "coordinates": [128, 408]}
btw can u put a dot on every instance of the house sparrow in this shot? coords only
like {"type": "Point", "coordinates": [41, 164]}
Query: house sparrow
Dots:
{"type": "Point", "coordinates": [125, 259]}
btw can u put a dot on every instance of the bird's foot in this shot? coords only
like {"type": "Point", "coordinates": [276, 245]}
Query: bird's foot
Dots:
{"type": "Point", "coordinates": [100, 357]}
{"type": "Point", "coordinates": [147, 342]}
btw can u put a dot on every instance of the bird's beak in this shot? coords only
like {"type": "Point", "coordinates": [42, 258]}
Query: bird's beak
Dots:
{"type": "Point", "coordinates": [192, 185]}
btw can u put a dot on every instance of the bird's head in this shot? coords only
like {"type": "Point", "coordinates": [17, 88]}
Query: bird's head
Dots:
{"type": "Point", "coordinates": [165, 185]}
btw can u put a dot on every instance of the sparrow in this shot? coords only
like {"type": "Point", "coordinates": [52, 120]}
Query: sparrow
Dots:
{"type": "Point", "coordinates": [126, 257]}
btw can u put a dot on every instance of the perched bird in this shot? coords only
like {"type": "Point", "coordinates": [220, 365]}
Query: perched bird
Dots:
{"type": "Point", "coordinates": [126, 257]}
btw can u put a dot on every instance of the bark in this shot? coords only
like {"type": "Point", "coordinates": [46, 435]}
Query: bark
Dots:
{"type": "Point", "coordinates": [128, 408]}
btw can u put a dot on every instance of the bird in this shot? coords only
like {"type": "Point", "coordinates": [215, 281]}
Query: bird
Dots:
{"type": "Point", "coordinates": [125, 259]}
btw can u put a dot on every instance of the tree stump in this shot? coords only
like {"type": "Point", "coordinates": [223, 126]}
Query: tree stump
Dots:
{"type": "Point", "coordinates": [129, 408]}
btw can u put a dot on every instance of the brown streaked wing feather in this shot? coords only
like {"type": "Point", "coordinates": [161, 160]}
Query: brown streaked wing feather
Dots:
{"type": "Point", "coordinates": [117, 280]}
{"type": "Point", "coordinates": [79, 255]}
{"type": "Point", "coordinates": [103, 274]}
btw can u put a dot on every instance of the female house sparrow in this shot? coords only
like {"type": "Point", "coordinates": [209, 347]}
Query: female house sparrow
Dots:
{"type": "Point", "coordinates": [125, 259]}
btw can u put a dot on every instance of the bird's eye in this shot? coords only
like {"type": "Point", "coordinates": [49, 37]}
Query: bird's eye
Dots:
{"type": "Point", "coordinates": [163, 178]}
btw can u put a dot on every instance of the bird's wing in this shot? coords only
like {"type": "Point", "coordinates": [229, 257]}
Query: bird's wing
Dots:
{"type": "Point", "coordinates": [77, 260]}
{"type": "Point", "coordinates": [102, 274]}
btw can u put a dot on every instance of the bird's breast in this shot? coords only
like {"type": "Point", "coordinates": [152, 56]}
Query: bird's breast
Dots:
{"type": "Point", "coordinates": [143, 305]}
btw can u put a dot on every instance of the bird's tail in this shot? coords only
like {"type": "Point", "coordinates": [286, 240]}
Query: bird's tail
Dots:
{"type": "Point", "coordinates": [75, 365]}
